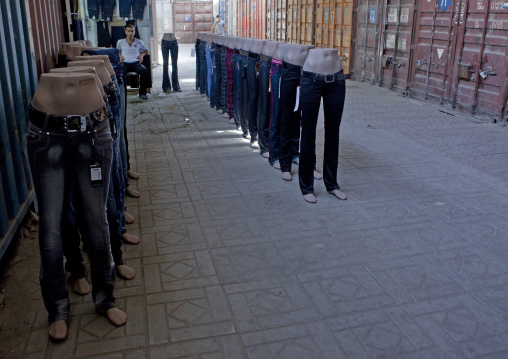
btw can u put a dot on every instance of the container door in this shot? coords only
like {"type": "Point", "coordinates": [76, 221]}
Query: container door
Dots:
{"type": "Point", "coordinates": [333, 27]}
{"type": "Point", "coordinates": [203, 17]}
{"type": "Point", "coordinates": [183, 21]}
{"type": "Point", "coordinates": [243, 15]}
{"type": "Point", "coordinates": [306, 22]}
{"type": "Point", "coordinates": [292, 21]}
{"type": "Point", "coordinates": [276, 20]}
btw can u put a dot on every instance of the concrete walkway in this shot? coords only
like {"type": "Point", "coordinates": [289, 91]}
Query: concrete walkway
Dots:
{"type": "Point", "coordinates": [234, 264]}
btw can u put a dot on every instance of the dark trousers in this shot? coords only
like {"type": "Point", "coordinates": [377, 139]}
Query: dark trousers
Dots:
{"type": "Point", "coordinates": [166, 48]}
{"type": "Point", "coordinates": [237, 103]}
{"type": "Point", "coordinates": [125, 8]}
{"type": "Point", "coordinates": [218, 82]}
{"type": "Point", "coordinates": [276, 111]}
{"type": "Point", "coordinates": [264, 105]}
{"type": "Point", "coordinates": [77, 30]}
{"type": "Point", "coordinates": [244, 115]}
{"type": "Point", "coordinates": [93, 8]}
{"type": "Point", "coordinates": [290, 124]}
{"type": "Point", "coordinates": [198, 59]}
{"type": "Point", "coordinates": [107, 8]}
{"type": "Point", "coordinates": [103, 36]}
{"type": "Point", "coordinates": [224, 82]}
{"type": "Point", "coordinates": [333, 90]}
{"type": "Point", "coordinates": [117, 33]}
{"type": "Point", "coordinates": [202, 70]}
{"type": "Point", "coordinates": [230, 85]}
{"type": "Point", "coordinates": [253, 85]}
{"type": "Point", "coordinates": [144, 75]}
{"type": "Point", "coordinates": [138, 8]}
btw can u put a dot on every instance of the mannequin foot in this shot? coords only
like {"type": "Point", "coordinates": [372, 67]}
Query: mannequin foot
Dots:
{"type": "Point", "coordinates": [131, 192]}
{"type": "Point", "coordinates": [276, 165]}
{"type": "Point", "coordinates": [225, 115]}
{"type": "Point", "coordinates": [130, 239]}
{"type": "Point", "coordinates": [125, 272]}
{"type": "Point", "coordinates": [177, 90]}
{"type": "Point", "coordinates": [203, 95]}
{"type": "Point", "coordinates": [339, 194]}
{"type": "Point", "coordinates": [265, 154]}
{"type": "Point", "coordinates": [309, 198]}
{"type": "Point", "coordinates": [116, 316]}
{"type": "Point", "coordinates": [221, 111]}
{"type": "Point", "coordinates": [286, 176]}
{"type": "Point", "coordinates": [143, 97]}
{"type": "Point", "coordinates": [132, 175]}
{"type": "Point", "coordinates": [80, 286]}
{"type": "Point", "coordinates": [317, 175]}
{"type": "Point", "coordinates": [58, 330]}
{"type": "Point", "coordinates": [254, 144]}
{"type": "Point", "coordinates": [129, 218]}
{"type": "Point", "coordinates": [296, 161]}
{"type": "Point", "coordinates": [232, 121]}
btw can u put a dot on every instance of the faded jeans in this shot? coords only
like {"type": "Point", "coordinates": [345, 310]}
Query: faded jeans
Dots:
{"type": "Point", "coordinates": [166, 48]}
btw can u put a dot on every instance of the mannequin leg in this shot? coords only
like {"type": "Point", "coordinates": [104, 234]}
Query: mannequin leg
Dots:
{"type": "Point", "coordinates": [173, 47]}
{"type": "Point", "coordinates": [166, 84]}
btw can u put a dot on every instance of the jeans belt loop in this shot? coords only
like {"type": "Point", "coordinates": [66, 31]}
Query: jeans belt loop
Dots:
{"type": "Point", "coordinates": [75, 123]}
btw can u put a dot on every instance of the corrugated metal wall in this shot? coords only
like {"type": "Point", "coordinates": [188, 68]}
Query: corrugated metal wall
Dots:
{"type": "Point", "coordinates": [189, 18]}
{"type": "Point", "coordinates": [18, 82]}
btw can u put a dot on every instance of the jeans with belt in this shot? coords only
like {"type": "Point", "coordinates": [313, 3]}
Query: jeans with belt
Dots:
{"type": "Point", "coordinates": [253, 84]}
{"type": "Point", "coordinates": [290, 123]}
{"type": "Point", "coordinates": [124, 7]}
{"type": "Point", "coordinates": [333, 90]}
{"type": "Point", "coordinates": [208, 83]}
{"type": "Point", "coordinates": [56, 154]}
{"type": "Point", "coordinates": [263, 120]}
{"type": "Point", "coordinates": [230, 82]}
{"type": "Point", "coordinates": [138, 8]}
{"type": "Point", "coordinates": [237, 105]}
{"type": "Point", "coordinates": [198, 63]}
{"type": "Point", "coordinates": [166, 48]}
{"type": "Point", "coordinates": [276, 111]}
{"type": "Point", "coordinates": [93, 8]}
{"type": "Point", "coordinates": [107, 8]}
{"type": "Point", "coordinates": [224, 78]}
{"type": "Point", "coordinates": [218, 81]}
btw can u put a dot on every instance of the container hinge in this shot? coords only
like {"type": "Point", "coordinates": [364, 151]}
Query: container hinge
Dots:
{"type": "Point", "coordinates": [421, 62]}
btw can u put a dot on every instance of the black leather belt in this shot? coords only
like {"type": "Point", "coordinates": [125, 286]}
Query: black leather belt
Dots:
{"type": "Point", "coordinates": [253, 55]}
{"type": "Point", "coordinates": [265, 58]}
{"type": "Point", "coordinates": [69, 124]}
{"type": "Point", "coordinates": [326, 78]}
{"type": "Point", "coordinates": [237, 51]}
{"type": "Point", "coordinates": [244, 53]}
{"type": "Point", "coordinates": [110, 90]}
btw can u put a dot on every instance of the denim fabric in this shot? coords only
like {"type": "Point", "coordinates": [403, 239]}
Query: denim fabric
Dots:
{"type": "Point", "coordinates": [276, 111]}
{"type": "Point", "coordinates": [244, 115]}
{"type": "Point", "coordinates": [122, 131]}
{"type": "Point", "coordinates": [290, 123]}
{"type": "Point", "coordinates": [253, 85]}
{"type": "Point", "coordinates": [230, 85]}
{"type": "Point", "coordinates": [263, 119]}
{"type": "Point", "coordinates": [166, 48]}
{"type": "Point", "coordinates": [138, 8]}
{"type": "Point", "coordinates": [333, 94]}
{"type": "Point", "coordinates": [77, 30]}
{"type": "Point", "coordinates": [107, 8]}
{"type": "Point", "coordinates": [114, 58]}
{"type": "Point", "coordinates": [208, 71]}
{"type": "Point", "coordinates": [224, 78]}
{"type": "Point", "coordinates": [203, 67]}
{"type": "Point", "coordinates": [72, 224]}
{"type": "Point", "coordinates": [53, 158]}
{"type": "Point", "coordinates": [93, 8]}
{"type": "Point", "coordinates": [237, 103]}
{"type": "Point", "coordinates": [144, 75]}
{"type": "Point", "coordinates": [218, 81]}
{"type": "Point", "coordinates": [103, 36]}
{"type": "Point", "coordinates": [125, 8]}
{"type": "Point", "coordinates": [198, 60]}
{"type": "Point", "coordinates": [117, 33]}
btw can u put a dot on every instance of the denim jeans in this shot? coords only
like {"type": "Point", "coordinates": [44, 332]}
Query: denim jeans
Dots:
{"type": "Point", "coordinates": [237, 104]}
{"type": "Point", "coordinates": [276, 112]}
{"type": "Point", "coordinates": [122, 131]}
{"type": "Point", "coordinates": [244, 119]}
{"type": "Point", "coordinates": [107, 7]}
{"type": "Point", "coordinates": [263, 119]}
{"type": "Point", "coordinates": [144, 75]}
{"type": "Point", "coordinates": [198, 63]}
{"type": "Point", "coordinates": [77, 30]}
{"type": "Point", "coordinates": [54, 156]}
{"type": "Point", "coordinates": [166, 48]}
{"type": "Point", "coordinates": [213, 86]}
{"type": "Point", "coordinates": [333, 90]}
{"type": "Point", "coordinates": [218, 73]}
{"type": "Point", "coordinates": [202, 67]}
{"type": "Point", "coordinates": [124, 6]}
{"type": "Point", "coordinates": [290, 123]}
{"type": "Point", "coordinates": [103, 36]}
{"type": "Point", "coordinates": [253, 84]}
{"type": "Point", "coordinates": [224, 80]}
{"type": "Point", "coordinates": [93, 8]}
{"type": "Point", "coordinates": [230, 85]}
{"type": "Point", "coordinates": [208, 85]}
{"type": "Point", "coordinates": [138, 8]}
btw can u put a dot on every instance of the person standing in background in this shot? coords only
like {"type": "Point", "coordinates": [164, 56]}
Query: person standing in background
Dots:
{"type": "Point", "coordinates": [219, 26]}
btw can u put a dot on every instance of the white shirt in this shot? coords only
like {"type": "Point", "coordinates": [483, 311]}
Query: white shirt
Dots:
{"type": "Point", "coordinates": [131, 52]}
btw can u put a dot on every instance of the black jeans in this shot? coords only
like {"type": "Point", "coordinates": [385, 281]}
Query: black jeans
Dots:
{"type": "Point", "coordinates": [333, 90]}
{"type": "Point", "coordinates": [202, 70]}
{"type": "Point", "coordinates": [264, 104]}
{"type": "Point", "coordinates": [125, 7]}
{"type": "Point", "coordinates": [77, 30]}
{"type": "Point", "coordinates": [103, 36]}
{"type": "Point", "coordinates": [166, 48]}
{"type": "Point", "coordinates": [138, 8]}
{"type": "Point", "coordinates": [237, 105]}
{"type": "Point", "coordinates": [93, 8]}
{"type": "Point", "coordinates": [107, 7]}
{"type": "Point", "coordinates": [198, 64]}
{"type": "Point", "coordinates": [144, 75]}
{"type": "Point", "coordinates": [253, 85]}
{"type": "Point", "coordinates": [218, 82]}
{"type": "Point", "coordinates": [290, 121]}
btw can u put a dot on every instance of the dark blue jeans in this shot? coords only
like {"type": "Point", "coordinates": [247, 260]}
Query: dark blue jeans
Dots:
{"type": "Point", "coordinates": [237, 105]}
{"type": "Point", "coordinates": [138, 8]}
{"type": "Point", "coordinates": [244, 115]}
{"type": "Point", "coordinates": [213, 87]}
{"type": "Point", "coordinates": [54, 156]}
{"type": "Point", "coordinates": [276, 112]}
{"type": "Point", "coordinates": [333, 90]}
{"type": "Point", "coordinates": [219, 101]}
{"type": "Point", "coordinates": [144, 75]}
{"type": "Point", "coordinates": [202, 67]}
{"type": "Point", "coordinates": [166, 48]}
{"type": "Point", "coordinates": [253, 84]}
{"type": "Point", "coordinates": [290, 123]}
{"type": "Point", "coordinates": [264, 104]}
{"type": "Point", "coordinates": [93, 8]}
{"type": "Point", "coordinates": [124, 6]}
{"type": "Point", "coordinates": [107, 8]}
{"type": "Point", "coordinates": [208, 85]}
{"type": "Point", "coordinates": [198, 59]}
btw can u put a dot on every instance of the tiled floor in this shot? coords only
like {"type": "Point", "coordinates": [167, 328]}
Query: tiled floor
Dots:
{"type": "Point", "coordinates": [234, 264]}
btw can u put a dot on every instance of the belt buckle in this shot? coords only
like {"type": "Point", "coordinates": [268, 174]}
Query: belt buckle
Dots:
{"type": "Point", "coordinates": [75, 123]}
{"type": "Point", "coordinates": [329, 78]}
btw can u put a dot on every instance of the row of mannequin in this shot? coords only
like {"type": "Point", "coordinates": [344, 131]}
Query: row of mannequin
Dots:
{"type": "Point", "coordinates": [272, 92]}
{"type": "Point", "coordinates": [77, 155]}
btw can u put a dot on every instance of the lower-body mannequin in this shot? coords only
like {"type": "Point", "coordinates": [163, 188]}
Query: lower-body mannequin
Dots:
{"type": "Point", "coordinates": [253, 85]}
{"type": "Point", "coordinates": [218, 78]}
{"type": "Point", "coordinates": [276, 113]}
{"type": "Point", "coordinates": [290, 120]}
{"type": "Point", "coordinates": [312, 89]}
{"type": "Point", "coordinates": [263, 120]}
{"type": "Point", "coordinates": [230, 74]}
{"type": "Point", "coordinates": [237, 104]}
{"type": "Point", "coordinates": [203, 72]}
{"type": "Point", "coordinates": [144, 75]}
{"type": "Point", "coordinates": [208, 71]}
{"type": "Point", "coordinates": [224, 81]}
{"type": "Point", "coordinates": [167, 48]}
{"type": "Point", "coordinates": [244, 115]}
{"type": "Point", "coordinates": [213, 86]}
{"type": "Point", "coordinates": [198, 63]}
